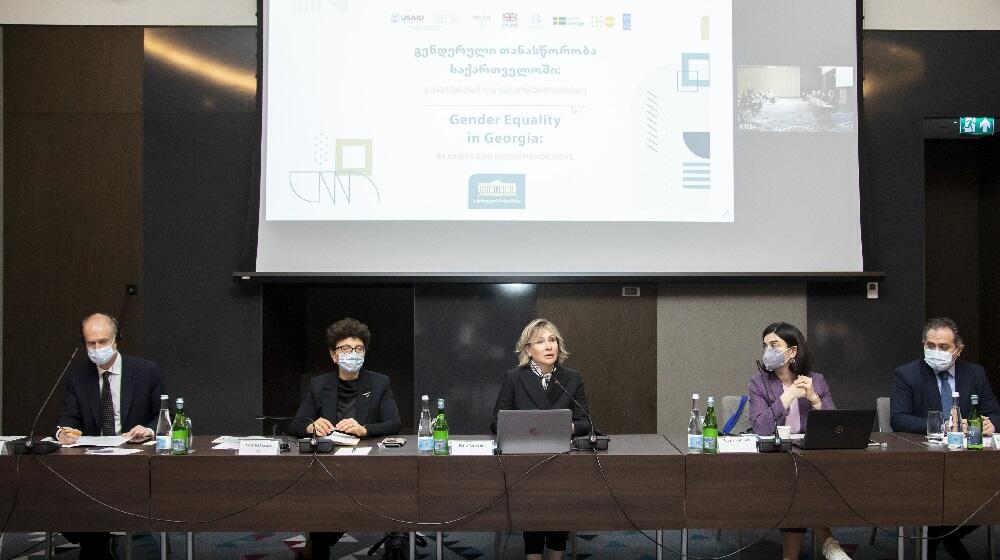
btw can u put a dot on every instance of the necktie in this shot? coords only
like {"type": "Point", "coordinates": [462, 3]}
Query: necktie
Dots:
{"type": "Point", "coordinates": [107, 406]}
{"type": "Point", "coordinates": [945, 393]}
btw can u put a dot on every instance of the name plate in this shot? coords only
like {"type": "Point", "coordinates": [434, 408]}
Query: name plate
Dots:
{"type": "Point", "coordinates": [738, 444]}
{"type": "Point", "coordinates": [471, 447]}
{"type": "Point", "coordinates": [259, 447]}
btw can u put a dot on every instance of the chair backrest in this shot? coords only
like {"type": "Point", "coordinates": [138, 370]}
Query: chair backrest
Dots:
{"type": "Point", "coordinates": [729, 405]}
{"type": "Point", "coordinates": [884, 420]}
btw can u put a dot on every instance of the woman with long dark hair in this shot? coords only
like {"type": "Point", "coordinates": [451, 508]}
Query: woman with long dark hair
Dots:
{"type": "Point", "coordinates": [782, 394]}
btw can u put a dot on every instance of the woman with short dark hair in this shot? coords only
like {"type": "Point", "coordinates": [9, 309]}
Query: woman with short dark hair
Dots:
{"type": "Point", "coordinates": [351, 399]}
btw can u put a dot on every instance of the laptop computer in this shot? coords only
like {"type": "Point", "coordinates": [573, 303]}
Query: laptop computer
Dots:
{"type": "Point", "coordinates": [838, 429]}
{"type": "Point", "coordinates": [534, 431]}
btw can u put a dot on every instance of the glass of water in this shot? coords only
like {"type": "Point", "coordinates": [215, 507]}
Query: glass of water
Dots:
{"type": "Point", "coordinates": [935, 426]}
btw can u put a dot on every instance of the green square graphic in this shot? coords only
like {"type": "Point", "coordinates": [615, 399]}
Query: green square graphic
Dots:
{"type": "Point", "coordinates": [363, 143]}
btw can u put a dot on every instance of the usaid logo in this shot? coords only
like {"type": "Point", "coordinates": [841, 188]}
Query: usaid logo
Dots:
{"type": "Point", "coordinates": [406, 18]}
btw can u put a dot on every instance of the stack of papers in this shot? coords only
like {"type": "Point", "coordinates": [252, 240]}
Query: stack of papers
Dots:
{"type": "Point", "coordinates": [98, 441]}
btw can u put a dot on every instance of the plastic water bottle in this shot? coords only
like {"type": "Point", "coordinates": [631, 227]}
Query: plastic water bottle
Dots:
{"type": "Point", "coordinates": [954, 423]}
{"type": "Point", "coordinates": [425, 438]}
{"type": "Point", "coordinates": [694, 426]}
{"type": "Point", "coordinates": [163, 427]}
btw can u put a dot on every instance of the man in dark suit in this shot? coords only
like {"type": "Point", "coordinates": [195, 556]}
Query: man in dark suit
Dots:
{"type": "Point", "coordinates": [351, 400]}
{"type": "Point", "coordinates": [928, 384]}
{"type": "Point", "coordinates": [109, 395]}
{"type": "Point", "coordinates": [113, 394]}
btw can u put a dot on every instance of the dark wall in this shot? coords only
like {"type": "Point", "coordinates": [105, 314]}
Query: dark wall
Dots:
{"type": "Point", "coordinates": [464, 337]}
{"type": "Point", "coordinates": [198, 194]}
{"type": "Point", "coordinates": [295, 347]}
{"type": "Point", "coordinates": [951, 236]}
{"type": "Point", "coordinates": [72, 177]}
{"type": "Point", "coordinates": [907, 76]}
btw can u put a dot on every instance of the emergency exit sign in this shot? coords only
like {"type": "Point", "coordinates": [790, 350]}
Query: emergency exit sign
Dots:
{"type": "Point", "coordinates": [976, 126]}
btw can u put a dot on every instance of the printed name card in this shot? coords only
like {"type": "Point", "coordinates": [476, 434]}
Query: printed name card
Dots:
{"type": "Point", "coordinates": [738, 444]}
{"type": "Point", "coordinates": [259, 447]}
{"type": "Point", "coordinates": [471, 447]}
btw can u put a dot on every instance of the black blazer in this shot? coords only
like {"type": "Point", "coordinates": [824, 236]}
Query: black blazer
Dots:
{"type": "Point", "coordinates": [141, 387]}
{"type": "Point", "coordinates": [522, 390]}
{"type": "Point", "coordinates": [916, 389]}
{"type": "Point", "coordinates": [375, 410]}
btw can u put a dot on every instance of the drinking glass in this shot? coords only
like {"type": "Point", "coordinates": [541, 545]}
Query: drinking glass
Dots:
{"type": "Point", "coordinates": [935, 426]}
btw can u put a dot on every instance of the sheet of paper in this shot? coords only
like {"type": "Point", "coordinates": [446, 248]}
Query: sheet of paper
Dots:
{"type": "Point", "coordinates": [235, 439]}
{"type": "Point", "coordinates": [112, 451]}
{"type": "Point", "coordinates": [98, 441]}
{"type": "Point", "coordinates": [234, 445]}
{"type": "Point", "coordinates": [352, 451]}
{"type": "Point", "coordinates": [9, 438]}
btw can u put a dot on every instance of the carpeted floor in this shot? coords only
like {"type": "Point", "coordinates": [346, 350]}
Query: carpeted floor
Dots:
{"type": "Point", "coordinates": [629, 545]}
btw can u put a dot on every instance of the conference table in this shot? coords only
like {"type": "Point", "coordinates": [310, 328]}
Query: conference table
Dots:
{"type": "Point", "coordinates": [645, 481]}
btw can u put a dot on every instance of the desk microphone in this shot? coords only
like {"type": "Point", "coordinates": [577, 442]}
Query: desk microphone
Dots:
{"type": "Point", "coordinates": [314, 444]}
{"type": "Point", "coordinates": [593, 442]}
{"type": "Point", "coordinates": [30, 446]}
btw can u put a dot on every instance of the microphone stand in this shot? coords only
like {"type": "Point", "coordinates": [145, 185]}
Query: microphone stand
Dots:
{"type": "Point", "coordinates": [592, 442]}
{"type": "Point", "coordinates": [30, 446]}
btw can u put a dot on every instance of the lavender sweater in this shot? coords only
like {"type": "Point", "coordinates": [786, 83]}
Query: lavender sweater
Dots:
{"type": "Point", "coordinates": [764, 391]}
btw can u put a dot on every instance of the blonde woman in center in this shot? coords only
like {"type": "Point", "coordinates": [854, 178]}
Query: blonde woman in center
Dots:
{"type": "Point", "coordinates": [533, 385]}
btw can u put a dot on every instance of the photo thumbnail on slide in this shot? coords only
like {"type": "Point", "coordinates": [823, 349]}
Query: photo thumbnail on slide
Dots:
{"type": "Point", "coordinates": [446, 110]}
{"type": "Point", "coordinates": [795, 99]}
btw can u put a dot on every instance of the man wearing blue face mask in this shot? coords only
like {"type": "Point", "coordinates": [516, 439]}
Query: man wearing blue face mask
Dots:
{"type": "Point", "coordinates": [110, 394]}
{"type": "Point", "coordinates": [351, 399]}
{"type": "Point", "coordinates": [927, 384]}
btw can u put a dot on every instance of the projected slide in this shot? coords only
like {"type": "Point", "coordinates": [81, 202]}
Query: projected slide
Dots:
{"type": "Point", "coordinates": [596, 111]}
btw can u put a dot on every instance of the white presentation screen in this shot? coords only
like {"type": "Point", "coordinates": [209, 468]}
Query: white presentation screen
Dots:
{"type": "Point", "coordinates": [565, 137]}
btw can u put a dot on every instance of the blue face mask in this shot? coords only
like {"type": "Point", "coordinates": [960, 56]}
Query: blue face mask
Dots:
{"type": "Point", "coordinates": [774, 358]}
{"type": "Point", "coordinates": [351, 362]}
{"type": "Point", "coordinates": [101, 355]}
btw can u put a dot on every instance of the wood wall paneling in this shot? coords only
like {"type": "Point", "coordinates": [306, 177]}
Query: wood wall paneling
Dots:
{"type": "Point", "coordinates": [72, 178]}
{"type": "Point", "coordinates": [612, 342]}
{"type": "Point", "coordinates": [55, 69]}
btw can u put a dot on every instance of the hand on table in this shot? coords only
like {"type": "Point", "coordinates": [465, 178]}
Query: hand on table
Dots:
{"type": "Point", "coordinates": [139, 433]}
{"type": "Point", "coordinates": [351, 426]}
{"type": "Point", "coordinates": [322, 427]}
{"type": "Point", "coordinates": [68, 436]}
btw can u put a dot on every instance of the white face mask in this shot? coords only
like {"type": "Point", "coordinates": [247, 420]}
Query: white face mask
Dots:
{"type": "Point", "coordinates": [101, 355]}
{"type": "Point", "coordinates": [351, 362]}
{"type": "Point", "coordinates": [939, 360]}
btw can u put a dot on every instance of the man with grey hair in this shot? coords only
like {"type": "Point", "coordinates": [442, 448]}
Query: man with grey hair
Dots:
{"type": "Point", "coordinates": [928, 384]}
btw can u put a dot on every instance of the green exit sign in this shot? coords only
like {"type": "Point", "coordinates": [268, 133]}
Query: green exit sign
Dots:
{"type": "Point", "coordinates": [976, 126]}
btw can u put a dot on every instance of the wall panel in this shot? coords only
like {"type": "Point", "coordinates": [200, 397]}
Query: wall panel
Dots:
{"type": "Point", "coordinates": [708, 338]}
{"type": "Point", "coordinates": [612, 342]}
{"type": "Point", "coordinates": [72, 178]}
